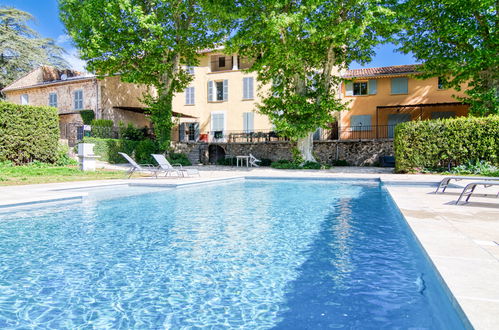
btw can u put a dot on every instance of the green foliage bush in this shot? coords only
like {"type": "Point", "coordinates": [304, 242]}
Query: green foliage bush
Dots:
{"type": "Point", "coordinates": [179, 158]}
{"type": "Point", "coordinates": [286, 164]}
{"type": "Point", "coordinates": [476, 167]}
{"type": "Point", "coordinates": [340, 162]}
{"type": "Point", "coordinates": [28, 133]}
{"type": "Point", "coordinates": [132, 133]}
{"type": "Point", "coordinates": [438, 143]}
{"type": "Point", "coordinates": [108, 149]}
{"type": "Point", "coordinates": [102, 128]}
{"type": "Point", "coordinates": [63, 158]}
{"type": "Point", "coordinates": [87, 116]}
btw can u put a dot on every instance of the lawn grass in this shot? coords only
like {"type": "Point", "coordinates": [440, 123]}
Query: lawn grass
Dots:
{"type": "Point", "coordinates": [45, 173]}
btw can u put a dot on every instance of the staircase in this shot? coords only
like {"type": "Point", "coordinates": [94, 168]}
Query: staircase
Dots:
{"type": "Point", "coordinates": [193, 155]}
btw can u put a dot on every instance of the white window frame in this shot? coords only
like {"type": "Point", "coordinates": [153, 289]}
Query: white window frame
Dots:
{"type": "Point", "coordinates": [75, 100]}
{"type": "Point", "coordinates": [51, 97]}
{"type": "Point", "coordinates": [248, 88]}
{"type": "Point", "coordinates": [24, 99]}
{"type": "Point", "coordinates": [190, 95]}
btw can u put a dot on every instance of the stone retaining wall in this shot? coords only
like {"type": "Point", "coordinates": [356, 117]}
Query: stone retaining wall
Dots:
{"type": "Point", "coordinates": [357, 153]}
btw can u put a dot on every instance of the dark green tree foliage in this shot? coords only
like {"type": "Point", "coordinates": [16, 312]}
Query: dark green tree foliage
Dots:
{"type": "Point", "coordinates": [436, 143]}
{"type": "Point", "coordinates": [22, 49]}
{"type": "Point", "coordinates": [28, 133]}
{"type": "Point", "coordinates": [457, 40]}
{"type": "Point", "coordinates": [298, 48]}
{"type": "Point", "coordinates": [147, 42]}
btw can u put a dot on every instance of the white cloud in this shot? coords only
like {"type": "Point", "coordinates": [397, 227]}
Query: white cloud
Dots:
{"type": "Point", "coordinates": [63, 39]}
{"type": "Point", "coordinates": [72, 57]}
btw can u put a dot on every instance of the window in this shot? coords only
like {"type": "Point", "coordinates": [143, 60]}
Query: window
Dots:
{"type": "Point", "coordinates": [53, 100]}
{"type": "Point", "coordinates": [218, 90]}
{"type": "Point", "coordinates": [189, 96]}
{"type": "Point", "coordinates": [217, 124]}
{"type": "Point", "coordinates": [190, 70]}
{"type": "Point", "coordinates": [248, 88]}
{"type": "Point", "coordinates": [24, 99]}
{"type": "Point", "coordinates": [78, 99]}
{"type": "Point", "coordinates": [360, 88]}
{"type": "Point", "coordinates": [248, 122]}
{"type": "Point", "coordinates": [400, 85]}
{"type": "Point", "coordinates": [221, 61]}
{"type": "Point", "coordinates": [441, 83]}
{"type": "Point", "coordinates": [360, 123]}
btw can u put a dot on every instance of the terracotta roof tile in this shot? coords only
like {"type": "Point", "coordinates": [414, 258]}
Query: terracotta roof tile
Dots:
{"type": "Point", "coordinates": [382, 71]}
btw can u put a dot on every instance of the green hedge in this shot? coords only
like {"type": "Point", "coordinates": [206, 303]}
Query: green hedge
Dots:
{"type": "Point", "coordinates": [108, 149]}
{"type": "Point", "coordinates": [28, 133]}
{"type": "Point", "coordinates": [438, 143]}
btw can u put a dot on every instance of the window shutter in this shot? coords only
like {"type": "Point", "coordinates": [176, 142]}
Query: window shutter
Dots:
{"type": "Point", "coordinates": [196, 131]}
{"type": "Point", "coordinates": [181, 132]}
{"type": "Point", "coordinates": [218, 122]}
{"type": "Point", "coordinates": [248, 122]}
{"type": "Point", "coordinates": [75, 97]}
{"type": "Point", "coordinates": [349, 88]}
{"type": "Point", "coordinates": [210, 91]}
{"type": "Point", "coordinates": [317, 134]}
{"type": "Point", "coordinates": [187, 95]}
{"type": "Point", "coordinates": [372, 86]}
{"type": "Point", "coordinates": [245, 88]}
{"type": "Point", "coordinates": [226, 89]}
{"type": "Point", "coordinates": [361, 122]}
{"type": "Point", "coordinates": [250, 88]}
{"type": "Point", "coordinates": [399, 85]}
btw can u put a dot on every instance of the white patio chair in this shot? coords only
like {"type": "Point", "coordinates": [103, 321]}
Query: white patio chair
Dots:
{"type": "Point", "coordinates": [254, 161]}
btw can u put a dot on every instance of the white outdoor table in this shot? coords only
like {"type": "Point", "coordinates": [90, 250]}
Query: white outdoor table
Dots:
{"type": "Point", "coordinates": [241, 159]}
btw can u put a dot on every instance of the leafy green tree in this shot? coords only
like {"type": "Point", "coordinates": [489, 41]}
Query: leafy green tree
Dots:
{"type": "Point", "coordinates": [147, 42]}
{"type": "Point", "coordinates": [457, 40]}
{"type": "Point", "coordinates": [299, 48]}
{"type": "Point", "coordinates": [22, 49]}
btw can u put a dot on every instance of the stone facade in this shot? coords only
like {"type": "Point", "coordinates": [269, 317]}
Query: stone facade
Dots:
{"type": "Point", "coordinates": [357, 153]}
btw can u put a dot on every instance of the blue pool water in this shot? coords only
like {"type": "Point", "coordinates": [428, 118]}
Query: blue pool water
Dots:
{"type": "Point", "coordinates": [255, 254]}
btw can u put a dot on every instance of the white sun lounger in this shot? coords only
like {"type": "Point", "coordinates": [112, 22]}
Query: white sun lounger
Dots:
{"type": "Point", "coordinates": [165, 165]}
{"type": "Point", "coordinates": [148, 168]}
{"type": "Point", "coordinates": [470, 188]}
{"type": "Point", "coordinates": [445, 181]}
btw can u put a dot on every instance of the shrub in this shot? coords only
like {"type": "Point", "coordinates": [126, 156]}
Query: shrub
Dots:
{"type": "Point", "coordinates": [63, 158]}
{"type": "Point", "coordinates": [132, 133]}
{"type": "Point", "coordinates": [108, 149]}
{"type": "Point", "coordinates": [438, 143]}
{"type": "Point", "coordinates": [265, 162]}
{"type": "Point", "coordinates": [102, 128]}
{"type": "Point", "coordinates": [28, 133]}
{"type": "Point", "coordinates": [286, 164]}
{"type": "Point", "coordinates": [340, 162]}
{"type": "Point", "coordinates": [87, 116]}
{"type": "Point", "coordinates": [476, 167]}
{"type": "Point", "coordinates": [179, 158]}
{"type": "Point", "coordinates": [230, 161]}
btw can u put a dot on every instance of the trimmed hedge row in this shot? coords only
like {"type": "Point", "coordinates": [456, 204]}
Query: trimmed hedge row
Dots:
{"type": "Point", "coordinates": [108, 149]}
{"type": "Point", "coordinates": [438, 143]}
{"type": "Point", "coordinates": [28, 133]}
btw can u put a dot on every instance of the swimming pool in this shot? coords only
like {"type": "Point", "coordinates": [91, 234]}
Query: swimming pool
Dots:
{"type": "Point", "coordinates": [254, 254]}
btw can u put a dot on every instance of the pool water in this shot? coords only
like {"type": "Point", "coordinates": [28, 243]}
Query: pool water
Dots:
{"type": "Point", "coordinates": [254, 254]}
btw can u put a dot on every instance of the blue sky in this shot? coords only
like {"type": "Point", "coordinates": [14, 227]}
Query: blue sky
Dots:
{"type": "Point", "coordinates": [47, 23]}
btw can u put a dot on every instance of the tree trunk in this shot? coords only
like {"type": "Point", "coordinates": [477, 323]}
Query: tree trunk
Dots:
{"type": "Point", "coordinates": [305, 146]}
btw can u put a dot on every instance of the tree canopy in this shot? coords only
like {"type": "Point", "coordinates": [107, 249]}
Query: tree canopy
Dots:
{"type": "Point", "coordinates": [22, 49]}
{"type": "Point", "coordinates": [457, 40]}
{"type": "Point", "coordinates": [147, 42]}
{"type": "Point", "coordinates": [299, 48]}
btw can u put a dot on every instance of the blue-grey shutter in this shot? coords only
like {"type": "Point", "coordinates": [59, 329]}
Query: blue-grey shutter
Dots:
{"type": "Point", "coordinates": [349, 88]}
{"type": "Point", "coordinates": [248, 122]}
{"type": "Point", "coordinates": [218, 122]}
{"type": "Point", "coordinates": [251, 88]}
{"type": "Point", "coordinates": [317, 134]}
{"type": "Point", "coordinates": [181, 132]}
{"type": "Point", "coordinates": [210, 91]}
{"type": "Point", "coordinates": [360, 122]}
{"type": "Point", "coordinates": [226, 89]}
{"type": "Point", "coordinates": [196, 131]}
{"type": "Point", "coordinates": [187, 96]}
{"type": "Point", "coordinates": [193, 95]}
{"type": "Point", "coordinates": [372, 86]}
{"type": "Point", "coordinates": [400, 85]}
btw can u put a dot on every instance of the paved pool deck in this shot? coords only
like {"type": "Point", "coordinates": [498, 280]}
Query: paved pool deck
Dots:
{"type": "Point", "coordinates": [462, 241]}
